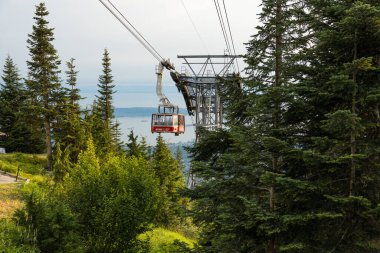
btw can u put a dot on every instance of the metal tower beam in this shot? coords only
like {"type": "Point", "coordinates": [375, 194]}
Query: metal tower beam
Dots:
{"type": "Point", "coordinates": [199, 82]}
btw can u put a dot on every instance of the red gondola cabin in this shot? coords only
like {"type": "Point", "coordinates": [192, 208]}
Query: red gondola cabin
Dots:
{"type": "Point", "coordinates": [168, 123]}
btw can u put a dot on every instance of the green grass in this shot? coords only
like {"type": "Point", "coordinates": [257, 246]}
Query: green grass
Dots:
{"type": "Point", "coordinates": [10, 200]}
{"type": "Point", "coordinates": [160, 239]}
{"type": "Point", "coordinates": [30, 165]}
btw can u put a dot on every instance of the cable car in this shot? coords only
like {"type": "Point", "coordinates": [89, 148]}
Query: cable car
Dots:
{"type": "Point", "coordinates": [168, 122]}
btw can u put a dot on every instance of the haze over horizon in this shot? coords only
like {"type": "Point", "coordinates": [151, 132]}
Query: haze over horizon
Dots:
{"type": "Point", "coordinates": [82, 29]}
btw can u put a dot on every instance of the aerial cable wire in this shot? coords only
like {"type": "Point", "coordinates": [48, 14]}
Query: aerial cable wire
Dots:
{"type": "Point", "coordinates": [134, 32]}
{"type": "Point", "coordinates": [135, 29]}
{"type": "Point", "coordinates": [229, 28]}
{"type": "Point", "coordinates": [195, 27]}
{"type": "Point", "coordinates": [218, 10]}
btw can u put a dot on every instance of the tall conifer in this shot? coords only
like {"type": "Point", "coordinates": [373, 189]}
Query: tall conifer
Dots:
{"type": "Point", "coordinates": [297, 171]}
{"type": "Point", "coordinates": [170, 179]}
{"type": "Point", "coordinates": [341, 124]}
{"type": "Point", "coordinates": [251, 196]}
{"type": "Point", "coordinates": [69, 127]}
{"type": "Point", "coordinates": [43, 80]}
{"type": "Point", "coordinates": [107, 129]}
{"type": "Point", "coordinates": [13, 101]}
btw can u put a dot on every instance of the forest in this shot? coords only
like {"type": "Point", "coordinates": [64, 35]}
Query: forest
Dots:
{"type": "Point", "coordinates": [295, 168]}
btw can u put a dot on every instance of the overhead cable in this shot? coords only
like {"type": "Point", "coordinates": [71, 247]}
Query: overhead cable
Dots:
{"type": "Point", "coordinates": [218, 10]}
{"type": "Point", "coordinates": [229, 28]}
{"type": "Point", "coordinates": [195, 28]}
{"type": "Point", "coordinates": [133, 31]}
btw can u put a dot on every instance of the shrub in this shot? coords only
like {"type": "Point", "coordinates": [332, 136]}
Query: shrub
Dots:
{"type": "Point", "coordinates": [15, 239]}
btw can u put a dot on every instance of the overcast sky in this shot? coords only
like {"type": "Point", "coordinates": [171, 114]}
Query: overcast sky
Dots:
{"type": "Point", "coordinates": [83, 28]}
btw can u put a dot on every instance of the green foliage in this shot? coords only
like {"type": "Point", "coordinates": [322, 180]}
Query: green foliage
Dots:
{"type": "Point", "coordinates": [165, 241]}
{"type": "Point", "coordinates": [53, 225]}
{"type": "Point", "coordinates": [135, 148]}
{"type": "Point", "coordinates": [45, 92]}
{"type": "Point", "coordinates": [69, 127]}
{"type": "Point", "coordinates": [13, 99]}
{"type": "Point", "coordinates": [92, 206]}
{"type": "Point", "coordinates": [170, 178]}
{"type": "Point", "coordinates": [29, 164]}
{"type": "Point", "coordinates": [297, 167]}
{"type": "Point", "coordinates": [62, 165]}
{"type": "Point", "coordinates": [104, 127]}
{"type": "Point", "coordinates": [343, 122]}
{"type": "Point", "coordinates": [15, 239]}
{"type": "Point", "coordinates": [115, 202]}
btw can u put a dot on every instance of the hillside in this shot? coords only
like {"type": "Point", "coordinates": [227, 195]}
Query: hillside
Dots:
{"type": "Point", "coordinates": [13, 238]}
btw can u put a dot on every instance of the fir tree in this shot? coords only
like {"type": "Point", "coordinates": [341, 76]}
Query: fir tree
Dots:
{"type": "Point", "coordinates": [170, 179]}
{"type": "Point", "coordinates": [43, 81]}
{"type": "Point", "coordinates": [179, 158]}
{"type": "Point", "coordinates": [297, 168]}
{"type": "Point", "coordinates": [342, 138]}
{"type": "Point", "coordinates": [135, 148]}
{"type": "Point", "coordinates": [107, 136]}
{"type": "Point", "coordinates": [69, 128]}
{"type": "Point", "coordinates": [246, 184]}
{"type": "Point", "coordinates": [18, 136]}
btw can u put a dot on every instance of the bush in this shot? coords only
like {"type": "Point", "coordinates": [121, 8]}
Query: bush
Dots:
{"type": "Point", "coordinates": [29, 164]}
{"type": "Point", "coordinates": [163, 241]}
{"type": "Point", "coordinates": [15, 239]}
{"type": "Point", "coordinates": [115, 202]}
{"type": "Point", "coordinates": [95, 208]}
{"type": "Point", "coordinates": [54, 226]}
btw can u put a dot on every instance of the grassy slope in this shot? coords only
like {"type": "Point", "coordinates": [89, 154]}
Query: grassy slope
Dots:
{"type": "Point", "coordinates": [160, 238]}
{"type": "Point", "coordinates": [10, 200]}
{"type": "Point", "coordinates": [30, 165]}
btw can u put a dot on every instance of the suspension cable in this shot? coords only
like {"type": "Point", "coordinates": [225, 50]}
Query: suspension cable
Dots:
{"type": "Point", "coordinates": [134, 31]}
{"type": "Point", "coordinates": [195, 27]}
{"type": "Point", "coordinates": [229, 28]}
{"type": "Point", "coordinates": [217, 6]}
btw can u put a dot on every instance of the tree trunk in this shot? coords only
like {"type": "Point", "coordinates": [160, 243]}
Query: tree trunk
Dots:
{"type": "Point", "coordinates": [49, 149]}
{"type": "Point", "coordinates": [353, 132]}
{"type": "Point", "coordinates": [276, 116]}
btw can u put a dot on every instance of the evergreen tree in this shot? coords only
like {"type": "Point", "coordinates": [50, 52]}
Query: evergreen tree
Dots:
{"type": "Point", "coordinates": [107, 129]}
{"type": "Point", "coordinates": [43, 81]}
{"type": "Point", "coordinates": [296, 169]}
{"type": "Point", "coordinates": [179, 158]}
{"type": "Point", "coordinates": [170, 179]}
{"type": "Point", "coordinates": [69, 128]}
{"type": "Point", "coordinates": [135, 148]}
{"type": "Point", "coordinates": [341, 131]}
{"type": "Point", "coordinates": [246, 184]}
{"type": "Point", "coordinates": [18, 136]}
{"type": "Point", "coordinates": [62, 164]}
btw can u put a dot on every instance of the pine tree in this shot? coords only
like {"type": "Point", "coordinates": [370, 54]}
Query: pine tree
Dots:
{"type": "Point", "coordinates": [136, 148]}
{"type": "Point", "coordinates": [342, 133]}
{"type": "Point", "coordinates": [296, 170]}
{"type": "Point", "coordinates": [69, 128]}
{"type": "Point", "coordinates": [170, 179]}
{"type": "Point", "coordinates": [62, 164]}
{"type": "Point", "coordinates": [246, 183]}
{"type": "Point", "coordinates": [43, 80]}
{"type": "Point", "coordinates": [179, 158]}
{"type": "Point", "coordinates": [18, 135]}
{"type": "Point", "coordinates": [108, 135]}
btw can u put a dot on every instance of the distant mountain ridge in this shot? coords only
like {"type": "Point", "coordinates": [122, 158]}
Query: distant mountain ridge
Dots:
{"type": "Point", "coordinates": [139, 112]}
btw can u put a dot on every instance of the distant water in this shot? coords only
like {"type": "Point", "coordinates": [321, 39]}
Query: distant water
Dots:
{"type": "Point", "coordinates": [134, 107]}
{"type": "Point", "coordinates": [135, 96]}
{"type": "Point", "coordinates": [141, 127]}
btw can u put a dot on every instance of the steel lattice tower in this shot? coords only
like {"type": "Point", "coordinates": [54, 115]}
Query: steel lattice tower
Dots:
{"type": "Point", "coordinates": [199, 80]}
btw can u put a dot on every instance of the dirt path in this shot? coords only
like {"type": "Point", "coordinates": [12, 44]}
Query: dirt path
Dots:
{"type": "Point", "coordinates": [5, 179]}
